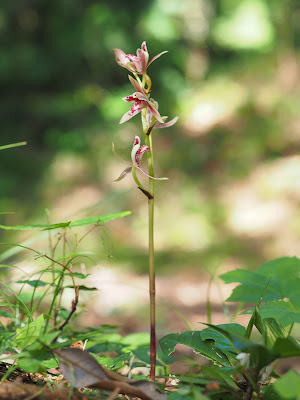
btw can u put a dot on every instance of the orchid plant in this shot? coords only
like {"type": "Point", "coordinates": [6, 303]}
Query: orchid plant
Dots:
{"type": "Point", "coordinates": [151, 119]}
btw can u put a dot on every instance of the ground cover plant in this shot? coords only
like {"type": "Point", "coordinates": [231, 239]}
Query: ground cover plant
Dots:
{"type": "Point", "coordinates": [39, 342]}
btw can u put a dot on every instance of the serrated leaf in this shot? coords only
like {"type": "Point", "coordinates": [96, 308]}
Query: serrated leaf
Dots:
{"type": "Point", "coordinates": [282, 310]}
{"type": "Point", "coordinates": [193, 339]}
{"type": "Point", "coordinates": [101, 219]}
{"type": "Point", "coordinates": [221, 341]}
{"type": "Point", "coordinates": [282, 284]}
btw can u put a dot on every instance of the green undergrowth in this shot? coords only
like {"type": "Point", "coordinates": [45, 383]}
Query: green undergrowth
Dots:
{"type": "Point", "coordinates": [239, 363]}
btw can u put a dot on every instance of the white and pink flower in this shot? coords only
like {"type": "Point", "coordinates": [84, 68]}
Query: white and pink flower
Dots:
{"type": "Point", "coordinates": [136, 157]}
{"type": "Point", "coordinates": [137, 64]}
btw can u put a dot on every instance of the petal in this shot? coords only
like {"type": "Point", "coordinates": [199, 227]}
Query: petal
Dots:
{"type": "Point", "coordinates": [136, 85]}
{"type": "Point", "coordinates": [167, 124]}
{"type": "Point", "coordinates": [123, 60]}
{"type": "Point", "coordinates": [144, 47]}
{"type": "Point", "coordinates": [129, 99]}
{"type": "Point", "coordinates": [152, 177]}
{"type": "Point", "coordinates": [149, 117]}
{"type": "Point", "coordinates": [123, 174]}
{"type": "Point", "coordinates": [136, 146]}
{"type": "Point", "coordinates": [139, 154]}
{"type": "Point", "coordinates": [134, 110]}
{"type": "Point", "coordinates": [120, 55]}
{"type": "Point", "coordinates": [158, 55]}
{"type": "Point", "coordinates": [143, 60]}
{"type": "Point", "coordinates": [155, 112]}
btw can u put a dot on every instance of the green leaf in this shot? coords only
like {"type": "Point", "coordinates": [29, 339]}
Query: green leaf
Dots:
{"type": "Point", "coordinates": [101, 219]}
{"type": "Point", "coordinates": [34, 283]}
{"type": "Point", "coordinates": [221, 341]}
{"type": "Point", "coordinates": [142, 353]}
{"type": "Point", "coordinates": [282, 284]}
{"type": "Point", "coordinates": [78, 275]}
{"type": "Point", "coordinates": [82, 287]}
{"type": "Point", "coordinates": [260, 355]}
{"type": "Point", "coordinates": [193, 339]}
{"type": "Point", "coordinates": [113, 363]}
{"type": "Point", "coordinates": [29, 334]}
{"type": "Point", "coordinates": [30, 365]}
{"type": "Point", "coordinates": [287, 347]}
{"type": "Point", "coordinates": [284, 312]}
{"type": "Point", "coordinates": [5, 339]}
{"type": "Point", "coordinates": [48, 364]}
{"type": "Point", "coordinates": [288, 386]}
{"type": "Point", "coordinates": [273, 331]}
{"type": "Point", "coordinates": [219, 374]}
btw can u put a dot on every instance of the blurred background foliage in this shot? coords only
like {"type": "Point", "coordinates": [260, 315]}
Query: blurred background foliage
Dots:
{"type": "Point", "coordinates": [231, 74]}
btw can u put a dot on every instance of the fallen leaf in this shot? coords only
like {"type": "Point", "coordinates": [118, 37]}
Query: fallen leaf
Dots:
{"type": "Point", "coordinates": [81, 370]}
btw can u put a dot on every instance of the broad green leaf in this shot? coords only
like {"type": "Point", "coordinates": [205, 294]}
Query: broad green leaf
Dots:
{"type": "Point", "coordinates": [34, 283]}
{"type": "Point", "coordinates": [29, 334]}
{"type": "Point", "coordinates": [284, 312]}
{"type": "Point", "coordinates": [285, 281]}
{"type": "Point", "coordinates": [219, 374]}
{"type": "Point", "coordinates": [101, 219]}
{"type": "Point", "coordinates": [30, 365]}
{"type": "Point", "coordinates": [221, 341]}
{"type": "Point", "coordinates": [287, 347]}
{"type": "Point", "coordinates": [142, 353]}
{"type": "Point", "coordinates": [260, 355]}
{"type": "Point", "coordinates": [193, 339]}
{"type": "Point", "coordinates": [288, 386]}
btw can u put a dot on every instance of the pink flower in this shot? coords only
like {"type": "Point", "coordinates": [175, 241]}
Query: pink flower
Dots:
{"type": "Point", "coordinates": [137, 64]}
{"type": "Point", "coordinates": [141, 101]}
{"type": "Point", "coordinates": [136, 156]}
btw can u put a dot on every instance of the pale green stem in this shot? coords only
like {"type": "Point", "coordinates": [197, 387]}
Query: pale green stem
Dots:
{"type": "Point", "coordinates": [148, 141]}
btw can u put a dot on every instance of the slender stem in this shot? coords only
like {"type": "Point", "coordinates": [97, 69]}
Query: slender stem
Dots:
{"type": "Point", "coordinates": [148, 140]}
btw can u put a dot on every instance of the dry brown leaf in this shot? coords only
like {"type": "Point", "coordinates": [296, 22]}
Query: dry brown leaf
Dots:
{"type": "Point", "coordinates": [81, 370]}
